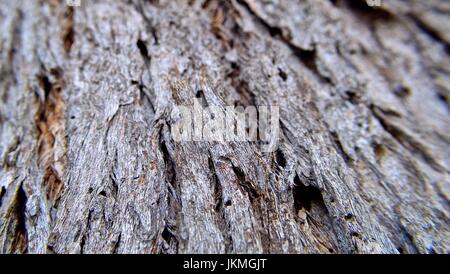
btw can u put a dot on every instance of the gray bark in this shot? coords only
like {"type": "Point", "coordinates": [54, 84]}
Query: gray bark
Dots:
{"type": "Point", "coordinates": [88, 163]}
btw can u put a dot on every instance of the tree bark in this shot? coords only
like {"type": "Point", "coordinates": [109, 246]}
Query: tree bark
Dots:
{"type": "Point", "coordinates": [88, 163]}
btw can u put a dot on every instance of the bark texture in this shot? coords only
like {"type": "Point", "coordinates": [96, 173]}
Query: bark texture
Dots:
{"type": "Point", "coordinates": [88, 163]}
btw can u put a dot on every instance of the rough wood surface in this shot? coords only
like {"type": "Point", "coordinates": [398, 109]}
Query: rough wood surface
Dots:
{"type": "Point", "coordinates": [88, 163]}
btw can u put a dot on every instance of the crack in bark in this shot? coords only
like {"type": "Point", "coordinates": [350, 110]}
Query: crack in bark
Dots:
{"type": "Point", "coordinates": [255, 197]}
{"type": "Point", "coordinates": [311, 212]}
{"type": "Point", "coordinates": [86, 231]}
{"type": "Point", "coordinates": [430, 31]}
{"type": "Point", "coordinates": [145, 95]}
{"type": "Point", "coordinates": [170, 231]}
{"type": "Point", "coordinates": [246, 185]}
{"type": "Point", "coordinates": [51, 134]}
{"type": "Point", "coordinates": [247, 98]}
{"type": "Point", "coordinates": [149, 24]}
{"type": "Point", "coordinates": [67, 29]}
{"type": "Point", "coordinates": [2, 193]}
{"type": "Point", "coordinates": [116, 246]}
{"type": "Point", "coordinates": [340, 148]}
{"type": "Point", "coordinates": [20, 235]}
{"type": "Point", "coordinates": [306, 56]}
{"type": "Point", "coordinates": [405, 139]}
{"type": "Point", "coordinates": [220, 205]}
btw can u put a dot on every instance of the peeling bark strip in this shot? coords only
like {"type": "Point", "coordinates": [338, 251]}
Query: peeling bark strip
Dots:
{"type": "Point", "coordinates": [89, 164]}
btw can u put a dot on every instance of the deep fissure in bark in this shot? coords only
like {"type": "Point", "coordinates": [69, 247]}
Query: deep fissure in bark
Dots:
{"type": "Point", "coordinates": [169, 233]}
{"type": "Point", "coordinates": [20, 237]}
{"type": "Point", "coordinates": [50, 122]}
{"type": "Point", "coordinates": [220, 205]}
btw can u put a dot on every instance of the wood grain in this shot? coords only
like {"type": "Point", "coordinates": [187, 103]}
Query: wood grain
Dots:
{"type": "Point", "coordinates": [88, 163]}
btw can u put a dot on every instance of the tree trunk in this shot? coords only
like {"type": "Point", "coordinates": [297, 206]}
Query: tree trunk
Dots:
{"type": "Point", "coordinates": [89, 164]}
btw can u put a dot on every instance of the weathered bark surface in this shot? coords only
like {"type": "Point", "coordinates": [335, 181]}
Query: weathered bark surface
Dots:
{"type": "Point", "coordinates": [88, 163]}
